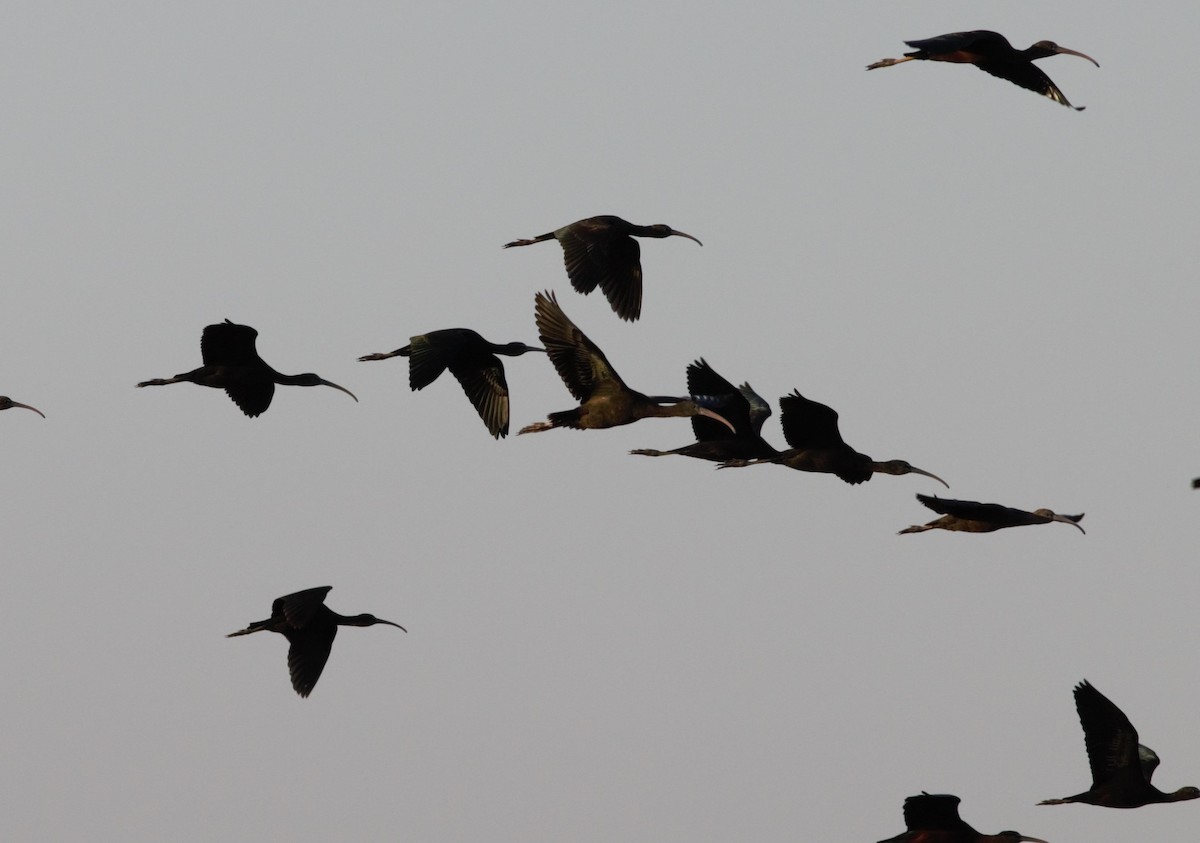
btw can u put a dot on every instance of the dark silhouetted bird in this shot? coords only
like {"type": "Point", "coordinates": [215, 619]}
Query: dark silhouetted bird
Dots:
{"type": "Point", "coordinates": [310, 627]}
{"type": "Point", "coordinates": [991, 52]}
{"type": "Point", "coordinates": [231, 363]}
{"type": "Point", "coordinates": [741, 405]}
{"type": "Point", "coordinates": [7, 403]}
{"type": "Point", "coordinates": [811, 429]}
{"type": "Point", "coordinates": [933, 818]}
{"type": "Point", "coordinates": [472, 360]}
{"type": "Point", "coordinates": [605, 400]}
{"type": "Point", "coordinates": [601, 251]}
{"type": "Point", "coordinates": [975, 517]}
{"type": "Point", "coordinates": [1121, 767]}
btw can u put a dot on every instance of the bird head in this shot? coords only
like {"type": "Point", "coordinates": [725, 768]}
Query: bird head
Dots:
{"type": "Point", "coordinates": [1016, 836]}
{"type": "Point", "coordinates": [515, 349]}
{"type": "Point", "coordinates": [1049, 48]}
{"type": "Point", "coordinates": [310, 379]}
{"type": "Point", "coordinates": [1066, 519]}
{"type": "Point", "coordinates": [898, 467]}
{"type": "Point", "coordinates": [367, 619]}
{"type": "Point", "coordinates": [7, 403]}
{"type": "Point", "coordinates": [660, 230]}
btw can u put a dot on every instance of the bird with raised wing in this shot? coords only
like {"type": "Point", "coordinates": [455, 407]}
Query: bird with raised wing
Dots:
{"type": "Point", "coordinates": [976, 517]}
{"type": "Point", "coordinates": [231, 363]}
{"type": "Point", "coordinates": [472, 360]}
{"type": "Point", "coordinates": [310, 627]}
{"type": "Point", "coordinates": [600, 251]}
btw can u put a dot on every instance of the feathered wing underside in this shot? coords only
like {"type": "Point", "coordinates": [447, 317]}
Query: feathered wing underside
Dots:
{"type": "Point", "coordinates": [809, 424]}
{"type": "Point", "coordinates": [992, 513]}
{"type": "Point", "coordinates": [487, 389]}
{"type": "Point", "coordinates": [595, 254]}
{"type": "Point", "coordinates": [1027, 75]}
{"type": "Point", "coordinates": [579, 361]}
{"type": "Point", "coordinates": [703, 380]}
{"type": "Point", "coordinates": [227, 344]}
{"type": "Point", "coordinates": [760, 410]}
{"type": "Point", "coordinates": [251, 390]}
{"type": "Point", "coordinates": [307, 655]}
{"type": "Point", "coordinates": [299, 607]}
{"type": "Point", "coordinates": [1112, 742]}
{"type": "Point", "coordinates": [426, 360]}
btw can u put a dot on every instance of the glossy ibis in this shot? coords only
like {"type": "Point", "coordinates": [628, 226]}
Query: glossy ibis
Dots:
{"type": "Point", "coordinates": [605, 400]}
{"type": "Point", "coordinates": [310, 627]}
{"type": "Point", "coordinates": [933, 818]}
{"type": "Point", "coordinates": [741, 405]}
{"type": "Point", "coordinates": [601, 251]}
{"type": "Point", "coordinates": [975, 517]}
{"type": "Point", "coordinates": [472, 360]}
{"type": "Point", "coordinates": [817, 445]}
{"type": "Point", "coordinates": [7, 403]}
{"type": "Point", "coordinates": [231, 363]}
{"type": "Point", "coordinates": [1121, 767]}
{"type": "Point", "coordinates": [991, 52]}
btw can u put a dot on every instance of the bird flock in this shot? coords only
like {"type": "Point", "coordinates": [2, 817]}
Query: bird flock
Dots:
{"type": "Point", "coordinates": [727, 423]}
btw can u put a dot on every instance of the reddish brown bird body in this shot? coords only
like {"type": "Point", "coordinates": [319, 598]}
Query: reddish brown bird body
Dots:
{"type": "Point", "coordinates": [605, 400]}
{"type": "Point", "coordinates": [473, 362]}
{"type": "Point", "coordinates": [975, 517]}
{"type": "Point", "coordinates": [231, 363]}
{"type": "Point", "coordinates": [310, 627]}
{"type": "Point", "coordinates": [601, 252]}
{"type": "Point", "coordinates": [991, 53]}
{"type": "Point", "coordinates": [811, 428]}
{"type": "Point", "coordinates": [933, 818]}
{"type": "Point", "coordinates": [1121, 767]}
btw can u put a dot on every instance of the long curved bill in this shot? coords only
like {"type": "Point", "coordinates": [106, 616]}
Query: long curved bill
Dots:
{"type": "Point", "coordinates": [704, 411]}
{"type": "Point", "coordinates": [922, 471]}
{"type": "Point", "coordinates": [1023, 837]}
{"type": "Point", "coordinates": [27, 407]}
{"type": "Point", "coordinates": [690, 237]}
{"type": "Point", "coordinates": [1065, 51]}
{"type": "Point", "coordinates": [402, 629]}
{"type": "Point", "coordinates": [1073, 520]}
{"type": "Point", "coordinates": [343, 389]}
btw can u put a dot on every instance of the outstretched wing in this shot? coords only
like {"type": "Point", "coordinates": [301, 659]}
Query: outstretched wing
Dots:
{"type": "Point", "coordinates": [1112, 742]}
{"type": "Point", "coordinates": [809, 424]}
{"type": "Point", "coordinates": [579, 361]}
{"type": "Point", "coordinates": [596, 254]}
{"type": "Point", "coordinates": [227, 344]}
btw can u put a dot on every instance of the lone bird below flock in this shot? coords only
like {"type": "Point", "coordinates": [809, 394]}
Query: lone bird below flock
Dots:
{"type": "Point", "coordinates": [1121, 767]}
{"type": "Point", "coordinates": [310, 627]}
{"type": "Point", "coordinates": [933, 818]}
{"type": "Point", "coordinates": [991, 52]}
{"type": "Point", "coordinates": [7, 403]}
{"type": "Point", "coordinates": [601, 251]}
{"type": "Point", "coordinates": [811, 429]}
{"type": "Point", "coordinates": [232, 363]}
{"type": "Point", "coordinates": [975, 517]}
{"type": "Point", "coordinates": [472, 360]}
{"type": "Point", "coordinates": [741, 405]}
{"type": "Point", "coordinates": [605, 400]}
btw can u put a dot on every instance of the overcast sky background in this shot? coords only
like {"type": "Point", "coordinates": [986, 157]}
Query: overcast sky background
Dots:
{"type": "Point", "coordinates": [601, 647]}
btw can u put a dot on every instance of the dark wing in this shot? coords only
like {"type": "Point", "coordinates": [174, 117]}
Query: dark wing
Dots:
{"type": "Point", "coordinates": [933, 812]}
{"type": "Point", "coordinates": [227, 344]}
{"type": "Point", "coordinates": [482, 378]}
{"type": "Point", "coordinates": [309, 650]}
{"type": "Point", "coordinates": [991, 513]}
{"type": "Point", "coordinates": [703, 380]}
{"type": "Point", "coordinates": [299, 607]}
{"type": "Point", "coordinates": [1148, 758]}
{"type": "Point", "coordinates": [597, 254]}
{"type": "Point", "coordinates": [979, 42]}
{"type": "Point", "coordinates": [1112, 742]}
{"type": "Point", "coordinates": [808, 424]}
{"type": "Point", "coordinates": [428, 356]}
{"type": "Point", "coordinates": [579, 361]}
{"type": "Point", "coordinates": [760, 410]}
{"type": "Point", "coordinates": [1025, 73]}
{"type": "Point", "coordinates": [251, 389]}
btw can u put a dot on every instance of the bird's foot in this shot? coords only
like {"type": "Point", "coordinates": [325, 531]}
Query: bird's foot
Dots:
{"type": "Point", "coordinates": [157, 382]}
{"type": "Point", "coordinates": [519, 243]}
{"type": "Point", "coordinates": [536, 427]}
{"type": "Point", "coordinates": [648, 452]}
{"type": "Point", "coordinates": [884, 63]}
{"type": "Point", "coordinates": [734, 464]}
{"type": "Point", "coordinates": [377, 356]}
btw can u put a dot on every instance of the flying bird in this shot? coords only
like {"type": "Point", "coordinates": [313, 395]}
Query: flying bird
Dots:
{"type": "Point", "coordinates": [605, 400]}
{"type": "Point", "coordinates": [7, 403]}
{"type": "Point", "coordinates": [310, 627]}
{"type": "Point", "coordinates": [741, 405]}
{"type": "Point", "coordinates": [601, 251]}
{"type": "Point", "coordinates": [991, 52]}
{"type": "Point", "coordinates": [933, 818]}
{"type": "Point", "coordinates": [231, 363]}
{"type": "Point", "coordinates": [975, 517]}
{"type": "Point", "coordinates": [472, 360]}
{"type": "Point", "coordinates": [811, 429]}
{"type": "Point", "coordinates": [1121, 767]}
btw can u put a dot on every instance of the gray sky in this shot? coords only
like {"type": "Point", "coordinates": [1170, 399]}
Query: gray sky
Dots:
{"type": "Point", "coordinates": [601, 647]}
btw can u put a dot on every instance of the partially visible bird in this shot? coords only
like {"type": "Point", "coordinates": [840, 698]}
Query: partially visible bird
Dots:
{"type": "Point", "coordinates": [601, 251]}
{"type": "Point", "coordinates": [7, 403]}
{"type": "Point", "coordinates": [310, 627]}
{"type": "Point", "coordinates": [933, 818]}
{"type": "Point", "coordinates": [472, 360]}
{"type": "Point", "coordinates": [811, 429]}
{"type": "Point", "coordinates": [741, 405]}
{"type": "Point", "coordinates": [605, 400]}
{"type": "Point", "coordinates": [991, 52]}
{"type": "Point", "coordinates": [975, 517]}
{"type": "Point", "coordinates": [1121, 767]}
{"type": "Point", "coordinates": [232, 363]}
